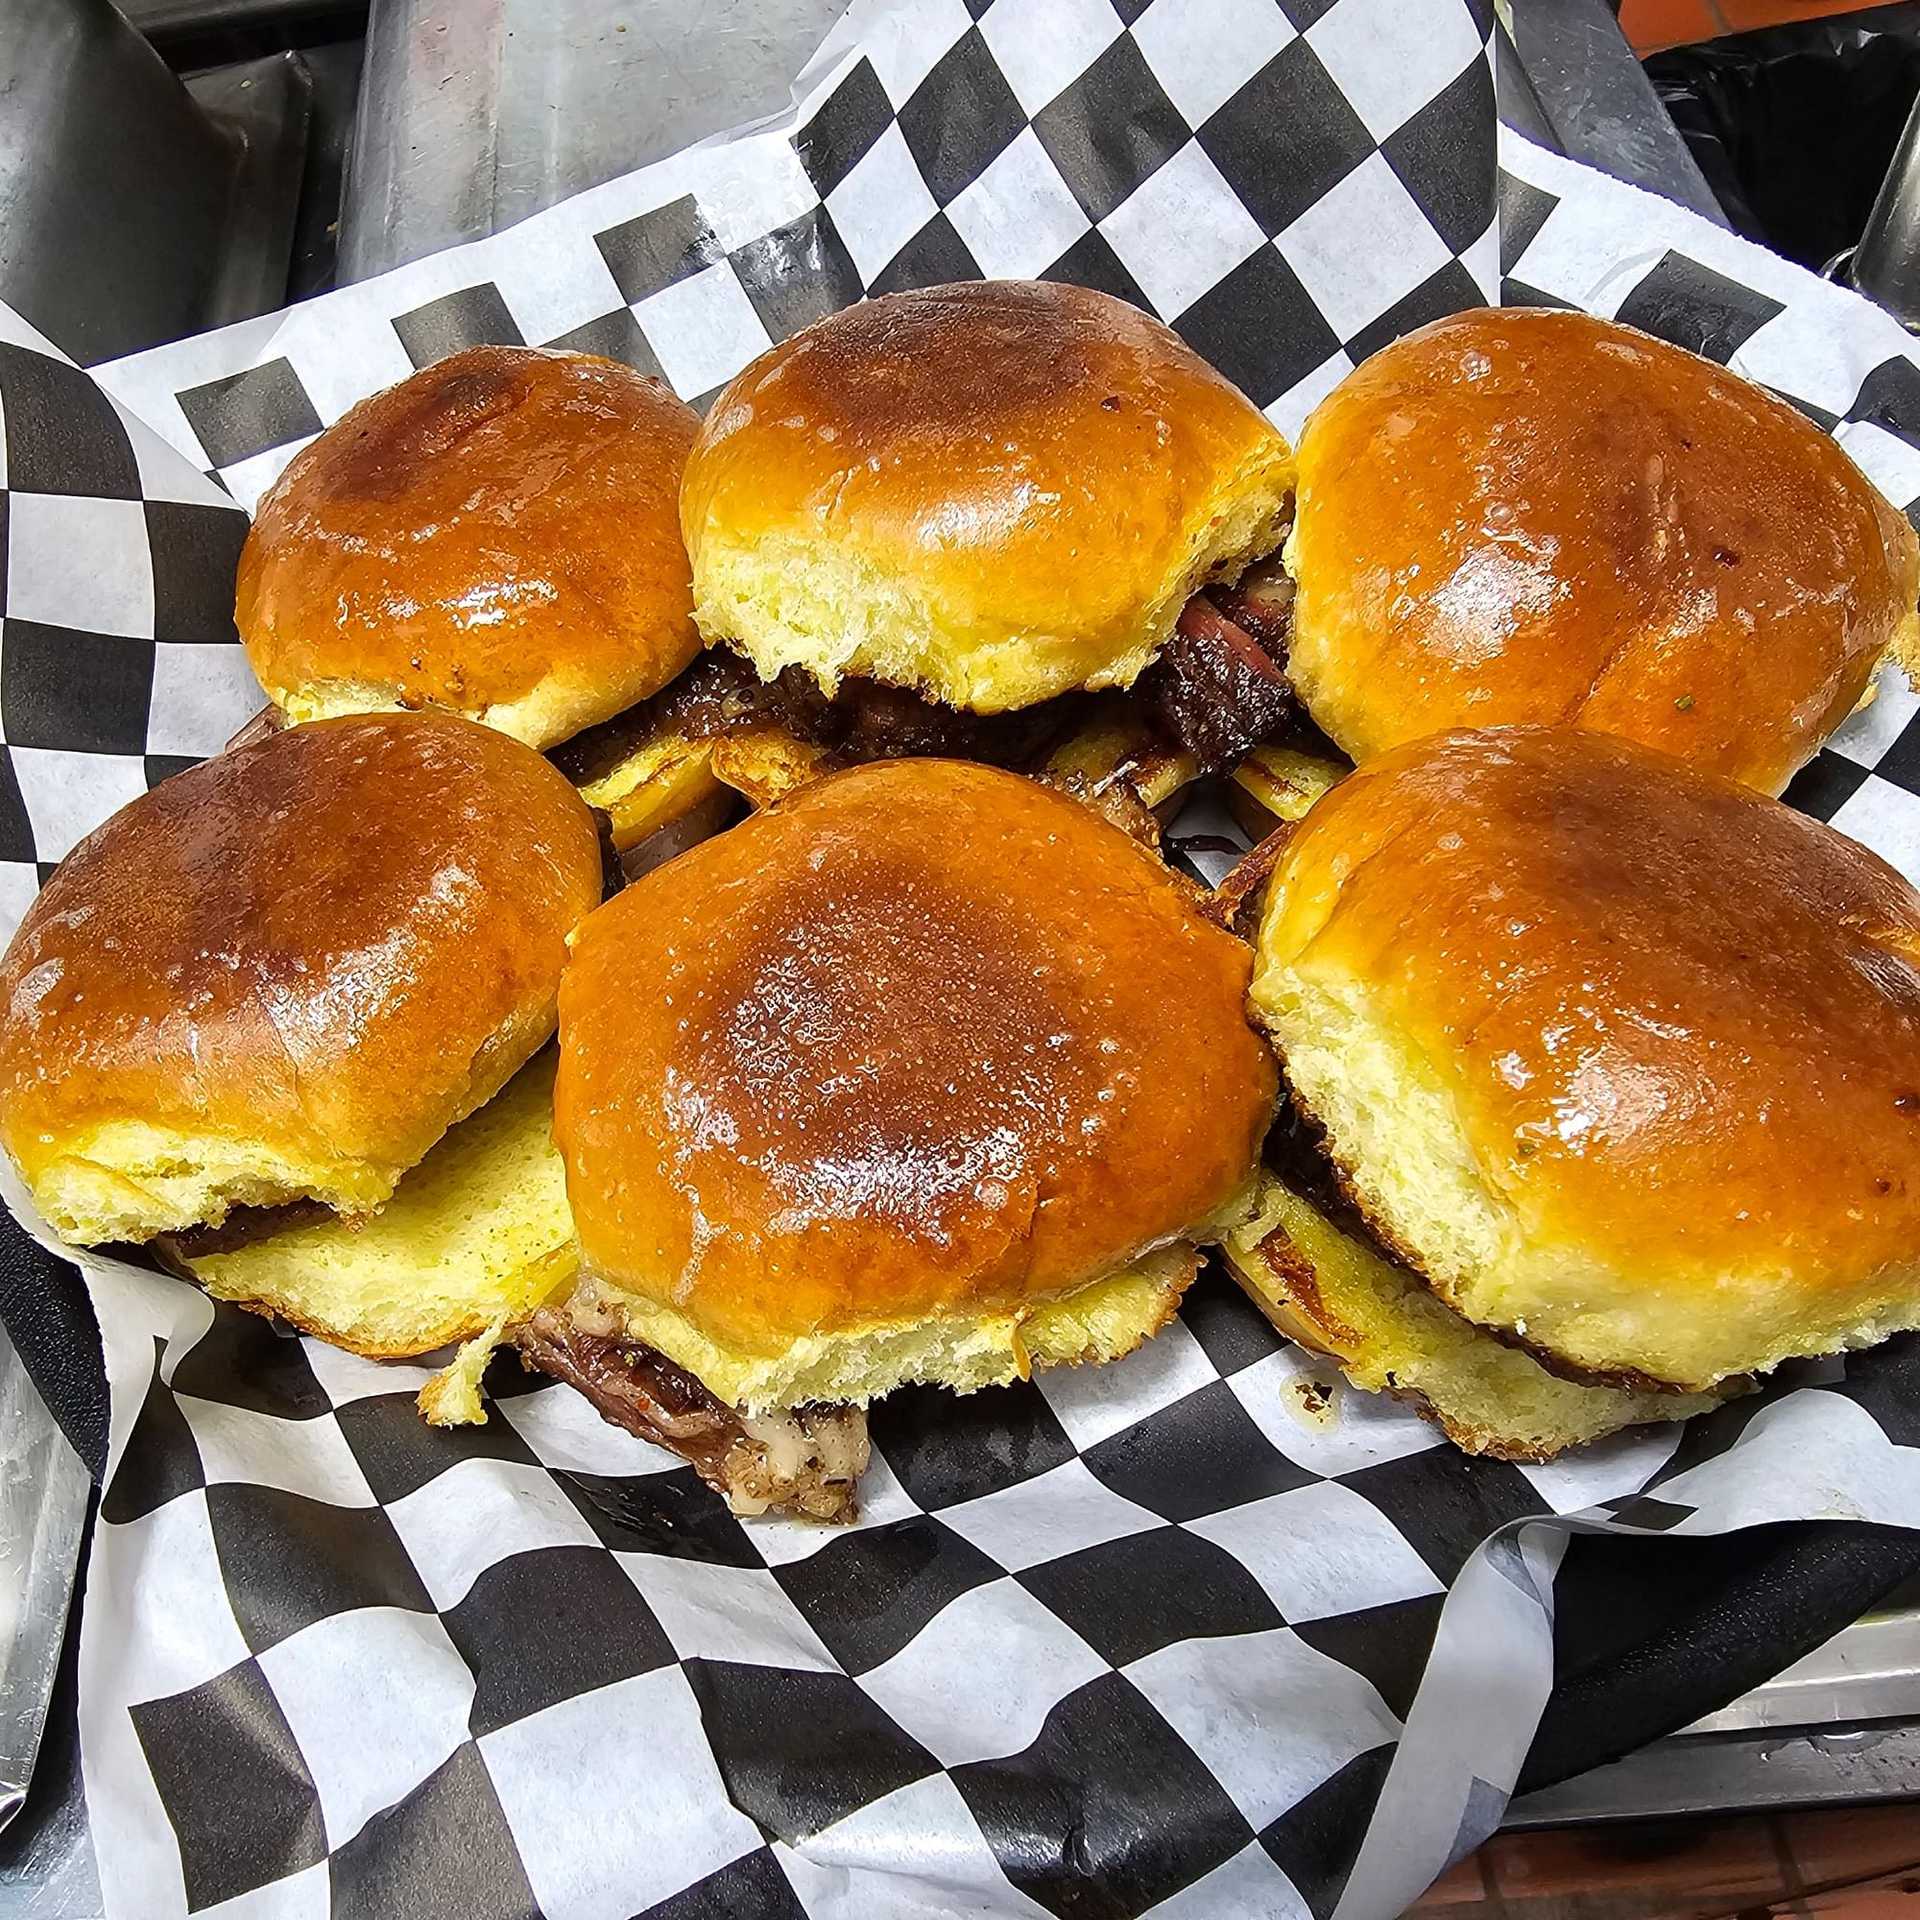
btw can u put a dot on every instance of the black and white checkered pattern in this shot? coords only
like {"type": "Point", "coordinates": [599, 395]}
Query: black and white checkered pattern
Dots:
{"type": "Point", "coordinates": [1159, 1637]}
{"type": "Point", "coordinates": [118, 658]}
{"type": "Point", "coordinates": [1216, 161]}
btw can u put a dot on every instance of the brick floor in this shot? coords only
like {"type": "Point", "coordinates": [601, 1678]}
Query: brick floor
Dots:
{"type": "Point", "coordinates": [1850, 1863]}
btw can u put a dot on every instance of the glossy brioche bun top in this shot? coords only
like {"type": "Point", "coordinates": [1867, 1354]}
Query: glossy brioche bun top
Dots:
{"type": "Point", "coordinates": [1524, 516]}
{"type": "Point", "coordinates": [498, 535]}
{"type": "Point", "coordinates": [856, 1087]}
{"type": "Point", "coordinates": [1622, 1055]}
{"type": "Point", "coordinates": [284, 973]}
{"type": "Point", "coordinates": [992, 493]}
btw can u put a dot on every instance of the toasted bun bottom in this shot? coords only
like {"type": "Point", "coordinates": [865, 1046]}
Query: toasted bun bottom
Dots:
{"type": "Point", "coordinates": [468, 1240]}
{"type": "Point", "coordinates": [1388, 1334]}
{"type": "Point", "coordinates": [662, 780]}
{"type": "Point", "coordinates": [1100, 1321]}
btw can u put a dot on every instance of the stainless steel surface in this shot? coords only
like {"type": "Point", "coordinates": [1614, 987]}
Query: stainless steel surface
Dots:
{"type": "Point", "coordinates": [265, 107]}
{"type": "Point", "coordinates": [333, 67]}
{"type": "Point", "coordinates": [1600, 105]}
{"type": "Point", "coordinates": [1886, 261]}
{"type": "Point", "coordinates": [126, 211]}
{"type": "Point", "coordinates": [476, 113]}
{"type": "Point", "coordinates": [1870, 1672]}
{"type": "Point", "coordinates": [173, 20]}
{"type": "Point", "coordinates": [47, 1869]}
{"type": "Point", "coordinates": [1840, 1725]}
{"type": "Point", "coordinates": [1740, 1773]}
{"type": "Point", "coordinates": [43, 1509]}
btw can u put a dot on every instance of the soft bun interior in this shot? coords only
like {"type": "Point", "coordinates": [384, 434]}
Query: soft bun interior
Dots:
{"type": "Point", "coordinates": [991, 493]}
{"type": "Point", "coordinates": [961, 1350]}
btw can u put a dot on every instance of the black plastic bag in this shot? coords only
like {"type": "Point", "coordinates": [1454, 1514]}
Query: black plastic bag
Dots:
{"type": "Point", "coordinates": [1794, 126]}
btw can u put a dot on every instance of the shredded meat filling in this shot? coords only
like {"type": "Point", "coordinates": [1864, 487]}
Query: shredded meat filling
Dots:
{"type": "Point", "coordinates": [245, 1227]}
{"type": "Point", "coordinates": [1218, 685]}
{"type": "Point", "coordinates": [865, 721]}
{"type": "Point", "coordinates": [1217, 689]}
{"type": "Point", "coordinates": [1261, 604]}
{"type": "Point", "coordinates": [1296, 1149]}
{"type": "Point", "coordinates": [717, 694]}
{"type": "Point", "coordinates": [803, 1462]}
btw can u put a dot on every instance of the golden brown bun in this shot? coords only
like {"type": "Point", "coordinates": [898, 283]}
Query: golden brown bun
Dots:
{"type": "Point", "coordinates": [849, 1094]}
{"type": "Point", "coordinates": [993, 493]}
{"type": "Point", "coordinates": [498, 535]}
{"type": "Point", "coordinates": [1524, 516]}
{"type": "Point", "coordinates": [1623, 1056]}
{"type": "Point", "coordinates": [284, 973]}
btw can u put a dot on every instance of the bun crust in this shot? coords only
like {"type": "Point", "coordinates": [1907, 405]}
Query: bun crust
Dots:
{"type": "Point", "coordinates": [1538, 517]}
{"type": "Point", "coordinates": [1622, 1056]}
{"type": "Point", "coordinates": [284, 973]}
{"type": "Point", "coordinates": [924, 1042]}
{"type": "Point", "coordinates": [992, 493]}
{"type": "Point", "coordinates": [498, 535]}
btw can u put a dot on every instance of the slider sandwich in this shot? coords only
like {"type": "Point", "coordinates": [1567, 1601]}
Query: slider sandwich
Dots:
{"type": "Point", "coordinates": [1516, 516]}
{"type": "Point", "coordinates": [498, 536]}
{"type": "Point", "coordinates": [251, 1017]}
{"type": "Point", "coordinates": [1605, 1086]}
{"type": "Point", "coordinates": [935, 522]}
{"type": "Point", "coordinates": [925, 1073]}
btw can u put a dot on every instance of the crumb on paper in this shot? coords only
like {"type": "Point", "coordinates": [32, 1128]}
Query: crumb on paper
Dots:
{"type": "Point", "coordinates": [452, 1397]}
{"type": "Point", "coordinates": [1315, 1399]}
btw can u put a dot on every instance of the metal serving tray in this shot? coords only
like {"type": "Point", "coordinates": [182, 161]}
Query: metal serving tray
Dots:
{"type": "Point", "coordinates": [1840, 1725]}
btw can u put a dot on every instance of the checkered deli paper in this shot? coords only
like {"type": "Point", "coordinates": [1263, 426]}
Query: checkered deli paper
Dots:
{"type": "Point", "coordinates": [1153, 1638]}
